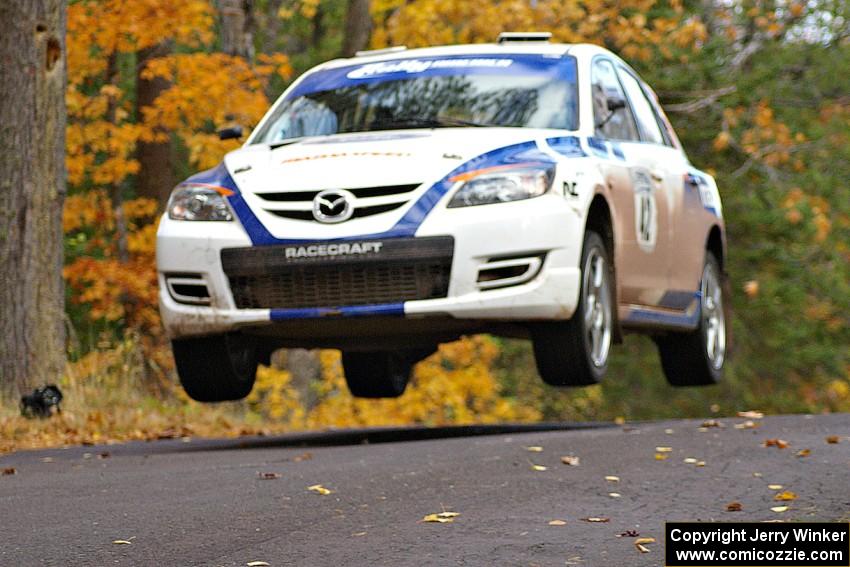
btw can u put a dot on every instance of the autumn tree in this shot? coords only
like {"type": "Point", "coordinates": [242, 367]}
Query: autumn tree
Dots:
{"type": "Point", "coordinates": [358, 27]}
{"type": "Point", "coordinates": [32, 188]}
{"type": "Point", "coordinates": [236, 22]}
{"type": "Point", "coordinates": [155, 178]}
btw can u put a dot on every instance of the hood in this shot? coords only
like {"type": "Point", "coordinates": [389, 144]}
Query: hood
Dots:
{"type": "Point", "coordinates": [384, 173]}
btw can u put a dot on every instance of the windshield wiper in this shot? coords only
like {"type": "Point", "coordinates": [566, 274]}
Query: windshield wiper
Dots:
{"type": "Point", "coordinates": [281, 143]}
{"type": "Point", "coordinates": [429, 122]}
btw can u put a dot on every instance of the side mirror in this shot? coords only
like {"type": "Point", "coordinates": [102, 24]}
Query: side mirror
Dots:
{"type": "Point", "coordinates": [232, 133]}
{"type": "Point", "coordinates": [615, 103]}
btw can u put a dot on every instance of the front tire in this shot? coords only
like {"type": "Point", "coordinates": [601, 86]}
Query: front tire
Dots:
{"type": "Point", "coordinates": [575, 352]}
{"type": "Point", "coordinates": [218, 368]}
{"type": "Point", "coordinates": [376, 374]}
{"type": "Point", "coordinates": [697, 358]}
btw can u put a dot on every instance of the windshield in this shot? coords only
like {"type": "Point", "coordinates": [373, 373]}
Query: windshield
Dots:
{"type": "Point", "coordinates": [532, 91]}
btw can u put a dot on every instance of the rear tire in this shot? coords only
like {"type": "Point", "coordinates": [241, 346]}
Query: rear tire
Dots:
{"type": "Point", "coordinates": [697, 358]}
{"type": "Point", "coordinates": [377, 374]}
{"type": "Point", "coordinates": [218, 368]}
{"type": "Point", "coordinates": [575, 352]}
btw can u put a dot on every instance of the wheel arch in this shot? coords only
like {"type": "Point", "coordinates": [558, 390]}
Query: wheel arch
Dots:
{"type": "Point", "coordinates": [716, 244]}
{"type": "Point", "coordinates": [600, 219]}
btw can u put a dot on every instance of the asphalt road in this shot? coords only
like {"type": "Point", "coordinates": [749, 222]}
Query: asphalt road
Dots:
{"type": "Point", "coordinates": [202, 502]}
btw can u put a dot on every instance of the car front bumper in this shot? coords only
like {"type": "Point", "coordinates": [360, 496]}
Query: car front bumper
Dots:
{"type": "Point", "coordinates": [492, 245]}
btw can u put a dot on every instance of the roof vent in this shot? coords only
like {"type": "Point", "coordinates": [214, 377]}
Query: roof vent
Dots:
{"type": "Point", "coordinates": [512, 37]}
{"type": "Point", "coordinates": [394, 49]}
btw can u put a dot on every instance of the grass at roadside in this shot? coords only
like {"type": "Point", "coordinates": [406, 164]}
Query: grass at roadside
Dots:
{"type": "Point", "coordinates": [120, 394]}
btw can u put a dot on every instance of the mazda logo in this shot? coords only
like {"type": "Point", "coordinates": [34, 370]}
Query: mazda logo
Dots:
{"type": "Point", "coordinates": [333, 205]}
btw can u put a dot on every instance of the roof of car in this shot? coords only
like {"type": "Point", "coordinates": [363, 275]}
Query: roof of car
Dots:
{"type": "Point", "coordinates": [511, 47]}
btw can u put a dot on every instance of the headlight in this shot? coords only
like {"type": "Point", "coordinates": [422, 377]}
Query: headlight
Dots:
{"type": "Point", "coordinates": [502, 184]}
{"type": "Point", "coordinates": [199, 203]}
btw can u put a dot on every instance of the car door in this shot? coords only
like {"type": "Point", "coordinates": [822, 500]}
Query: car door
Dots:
{"type": "Point", "coordinates": [687, 222]}
{"type": "Point", "coordinates": [660, 167]}
{"type": "Point", "coordinates": [641, 257]}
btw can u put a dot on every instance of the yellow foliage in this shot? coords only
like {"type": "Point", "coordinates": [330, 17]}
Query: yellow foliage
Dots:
{"type": "Point", "coordinates": [455, 385]}
{"type": "Point", "coordinates": [604, 22]}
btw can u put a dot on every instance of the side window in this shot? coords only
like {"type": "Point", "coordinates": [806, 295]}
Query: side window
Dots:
{"type": "Point", "coordinates": [660, 118]}
{"type": "Point", "coordinates": [647, 122]}
{"type": "Point", "coordinates": [611, 114]}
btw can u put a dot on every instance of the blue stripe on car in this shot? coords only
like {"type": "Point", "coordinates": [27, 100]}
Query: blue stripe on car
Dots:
{"type": "Point", "coordinates": [386, 309]}
{"type": "Point", "coordinates": [686, 320]}
{"type": "Point", "coordinates": [568, 146]}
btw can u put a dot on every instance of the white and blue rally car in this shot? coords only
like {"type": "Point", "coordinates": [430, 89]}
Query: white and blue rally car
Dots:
{"type": "Point", "coordinates": [403, 198]}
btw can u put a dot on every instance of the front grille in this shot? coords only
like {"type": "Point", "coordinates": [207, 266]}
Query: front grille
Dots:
{"type": "Point", "coordinates": [359, 212]}
{"type": "Point", "coordinates": [297, 205]}
{"type": "Point", "coordinates": [403, 270]}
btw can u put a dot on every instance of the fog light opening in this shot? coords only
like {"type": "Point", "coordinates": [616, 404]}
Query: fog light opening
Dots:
{"type": "Point", "coordinates": [498, 273]}
{"type": "Point", "coordinates": [188, 288]}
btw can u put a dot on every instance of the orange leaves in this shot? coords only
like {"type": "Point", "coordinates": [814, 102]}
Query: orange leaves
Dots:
{"type": "Point", "coordinates": [635, 36]}
{"type": "Point", "coordinates": [115, 290]}
{"type": "Point", "coordinates": [112, 290]}
{"type": "Point", "coordinates": [210, 88]}
{"type": "Point", "coordinates": [97, 28]}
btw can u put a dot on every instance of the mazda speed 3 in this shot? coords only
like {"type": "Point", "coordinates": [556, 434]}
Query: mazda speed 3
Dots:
{"type": "Point", "coordinates": [403, 198]}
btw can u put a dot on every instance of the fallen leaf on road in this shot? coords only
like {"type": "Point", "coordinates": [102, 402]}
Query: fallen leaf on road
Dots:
{"type": "Point", "coordinates": [359, 534]}
{"type": "Point", "coordinates": [804, 452]}
{"type": "Point", "coordinates": [833, 439]}
{"type": "Point", "coordinates": [660, 456]}
{"type": "Point", "coordinates": [778, 443]}
{"type": "Point", "coordinates": [104, 455]}
{"type": "Point", "coordinates": [570, 460]}
{"type": "Point", "coordinates": [641, 547]}
{"type": "Point", "coordinates": [595, 520]}
{"type": "Point", "coordinates": [757, 474]}
{"type": "Point", "coordinates": [319, 489]}
{"type": "Point", "coordinates": [268, 475]}
{"type": "Point", "coordinates": [734, 507]}
{"type": "Point", "coordinates": [700, 463]}
{"type": "Point", "coordinates": [557, 523]}
{"type": "Point", "coordinates": [691, 461]}
{"type": "Point", "coordinates": [785, 496]}
{"type": "Point", "coordinates": [257, 564]}
{"type": "Point", "coordinates": [302, 457]}
{"type": "Point", "coordinates": [711, 423]}
{"type": "Point", "coordinates": [775, 486]}
{"type": "Point", "coordinates": [669, 431]}
{"type": "Point", "coordinates": [534, 449]}
{"type": "Point", "coordinates": [10, 471]}
{"type": "Point", "coordinates": [664, 449]}
{"type": "Point", "coordinates": [629, 533]}
{"type": "Point", "coordinates": [746, 425]}
{"type": "Point", "coordinates": [122, 542]}
{"type": "Point", "coordinates": [537, 467]}
{"type": "Point", "coordinates": [441, 517]}
{"type": "Point", "coordinates": [751, 414]}
{"type": "Point", "coordinates": [612, 478]}
{"type": "Point", "coordinates": [779, 509]}
{"type": "Point", "coordinates": [615, 494]}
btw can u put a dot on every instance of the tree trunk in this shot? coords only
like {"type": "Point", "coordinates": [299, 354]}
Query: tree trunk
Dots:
{"type": "Point", "coordinates": [358, 27]}
{"type": "Point", "coordinates": [32, 190]}
{"type": "Point", "coordinates": [236, 22]}
{"type": "Point", "coordinates": [156, 169]}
